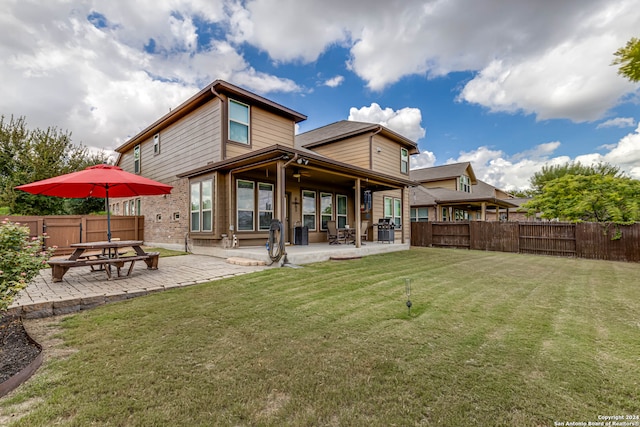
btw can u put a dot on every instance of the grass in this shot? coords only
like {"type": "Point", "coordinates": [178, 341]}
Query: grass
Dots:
{"type": "Point", "coordinates": [492, 339]}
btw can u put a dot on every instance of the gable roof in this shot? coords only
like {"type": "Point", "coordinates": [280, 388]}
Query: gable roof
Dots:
{"type": "Point", "coordinates": [438, 173]}
{"type": "Point", "coordinates": [210, 92]}
{"type": "Point", "coordinates": [421, 196]}
{"type": "Point", "coordinates": [346, 129]}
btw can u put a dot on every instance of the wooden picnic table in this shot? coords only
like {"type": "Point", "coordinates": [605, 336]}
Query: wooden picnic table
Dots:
{"type": "Point", "coordinates": [110, 255]}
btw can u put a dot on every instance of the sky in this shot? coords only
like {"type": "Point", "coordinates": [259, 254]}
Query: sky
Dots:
{"type": "Point", "coordinates": [509, 86]}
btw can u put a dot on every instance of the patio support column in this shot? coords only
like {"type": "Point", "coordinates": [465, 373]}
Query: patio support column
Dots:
{"type": "Point", "coordinates": [483, 215]}
{"type": "Point", "coordinates": [357, 215]}
{"type": "Point", "coordinates": [230, 212]}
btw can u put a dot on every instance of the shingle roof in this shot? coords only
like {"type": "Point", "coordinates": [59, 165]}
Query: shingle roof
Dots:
{"type": "Point", "coordinates": [437, 173]}
{"type": "Point", "coordinates": [342, 130]}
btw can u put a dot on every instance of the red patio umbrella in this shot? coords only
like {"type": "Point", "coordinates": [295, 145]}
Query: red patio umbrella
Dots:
{"type": "Point", "coordinates": [100, 181]}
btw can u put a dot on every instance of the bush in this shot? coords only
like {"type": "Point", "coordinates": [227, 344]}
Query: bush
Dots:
{"type": "Point", "coordinates": [21, 259]}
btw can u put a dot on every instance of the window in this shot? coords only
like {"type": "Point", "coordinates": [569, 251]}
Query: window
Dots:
{"type": "Point", "coordinates": [265, 205]}
{"type": "Point", "coordinates": [156, 144]}
{"type": "Point", "coordinates": [126, 208]}
{"type": "Point", "coordinates": [326, 209]}
{"type": "Point", "coordinates": [138, 207]}
{"type": "Point", "coordinates": [238, 122]}
{"type": "Point", "coordinates": [136, 159]}
{"type": "Point", "coordinates": [341, 210]}
{"type": "Point", "coordinates": [201, 206]}
{"type": "Point", "coordinates": [404, 160]}
{"type": "Point", "coordinates": [393, 210]}
{"type": "Point", "coordinates": [419, 214]}
{"type": "Point", "coordinates": [461, 215]}
{"type": "Point", "coordinates": [465, 184]}
{"type": "Point", "coordinates": [445, 214]}
{"type": "Point", "coordinates": [246, 205]}
{"type": "Point", "coordinates": [309, 209]}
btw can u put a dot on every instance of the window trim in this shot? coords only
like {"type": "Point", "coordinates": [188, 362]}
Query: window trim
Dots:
{"type": "Point", "coordinates": [416, 217]}
{"type": "Point", "coordinates": [137, 160]}
{"type": "Point", "coordinates": [253, 205]}
{"type": "Point", "coordinates": [313, 213]}
{"type": "Point", "coordinates": [247, 124]}
{"type": "Point", "coordinates": [344, 215]}
{"type": "Point", "coordinates": [156, 144]}
{"type": "Point", "coordinates": [465, 184]}
{"type": "Point", "coordinates": [200, 210]}
{"type": "Point", "coordinates": [396, 217]}
{"type": "Point", "coordinates": [328, 216]}
{"type": "Point", "coordinates": [404, 161]}
{"type": "Point", "coordinates": [260, 211]}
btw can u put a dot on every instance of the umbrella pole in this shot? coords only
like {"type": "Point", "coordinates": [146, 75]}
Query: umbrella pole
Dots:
{"type": "Point", "coordinates": [106, 202]}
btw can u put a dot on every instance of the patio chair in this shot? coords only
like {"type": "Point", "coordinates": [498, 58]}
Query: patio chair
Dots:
{"type": "Point", "coordinates": [332, 233]}
{"type": "Point", "coordinates": [364, 231]}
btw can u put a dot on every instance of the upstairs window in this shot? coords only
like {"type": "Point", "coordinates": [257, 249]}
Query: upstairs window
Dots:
{"type": "Point", "coordinates": [156, 144]}
{"type": "Point", "coordinates": [136, 159]}
{"type": "Point", "coordinates": [465, 184]}
{"type": "Point", "coordinates": [238, 122]}
{"type": "Point", "coordinates": [404, 160]}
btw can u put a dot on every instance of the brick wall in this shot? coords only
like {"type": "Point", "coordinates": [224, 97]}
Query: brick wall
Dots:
{"type": "Point", "coordinates": [167, 217]}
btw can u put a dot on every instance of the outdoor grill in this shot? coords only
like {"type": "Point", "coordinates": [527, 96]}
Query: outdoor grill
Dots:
{"type": "Point", "coordinates": [385, 230]}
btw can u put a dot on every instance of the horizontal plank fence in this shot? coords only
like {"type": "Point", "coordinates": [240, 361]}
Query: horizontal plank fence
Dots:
{"type": "Point", "coordinates": [582, 240]}
{"type": "Point", "coordinates": [64, 230]}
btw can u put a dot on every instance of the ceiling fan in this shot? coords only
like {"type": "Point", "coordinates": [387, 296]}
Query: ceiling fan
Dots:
{"type": "Point", "coordinates": [297, 173]}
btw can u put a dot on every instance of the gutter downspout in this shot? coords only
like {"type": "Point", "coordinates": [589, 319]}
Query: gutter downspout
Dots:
{"type": "Point", "coordinates": [223, 142]}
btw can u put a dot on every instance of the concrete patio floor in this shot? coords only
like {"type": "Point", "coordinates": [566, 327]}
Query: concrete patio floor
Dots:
{"type": "Point", "coordinates": [82, 288]}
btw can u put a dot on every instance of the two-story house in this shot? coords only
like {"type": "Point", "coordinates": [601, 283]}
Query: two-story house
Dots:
{"type": "Point", "coordinates": [236, 164]}
{"type": "Point", "coordinates": [453, 193]}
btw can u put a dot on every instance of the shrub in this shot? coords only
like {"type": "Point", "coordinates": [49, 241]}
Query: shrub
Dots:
{"type": "Point", "coordinates": [21, 259]}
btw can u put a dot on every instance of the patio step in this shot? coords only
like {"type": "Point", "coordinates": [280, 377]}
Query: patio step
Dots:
{"type": "Point", "coordinates": [245, 261]}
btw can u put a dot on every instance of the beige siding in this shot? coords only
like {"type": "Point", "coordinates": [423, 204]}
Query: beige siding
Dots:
{"type": "Point", "coordinates": [449, 184]}
{"type": "Point", "coordinates": [192, 142]}
{"type": "Point", "coordinates": [386, 157]}
{"type": "Point", "coordinates": [267, 129]}
{"type": "Point", "coordinates": [354, 151]}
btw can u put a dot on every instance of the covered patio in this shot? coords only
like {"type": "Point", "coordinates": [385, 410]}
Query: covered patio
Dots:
{"type": "Point", "coordinates": [304, 254]}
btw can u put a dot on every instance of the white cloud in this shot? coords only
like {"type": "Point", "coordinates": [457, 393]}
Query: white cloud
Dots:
{"type": "Point", "coordinates": [334, 81]}
{"type": "Point", "coordinates": [514, 171]}
{"type": "Point", "coordinates": [94, 77]}
{"type": "Point", "coordinates": [406, 121]}
{"type": "Point", "coordinates": [618, 122]}
{"type": "Point", "coordinates": [550, 59]}
{"type": "Point", "coordinates": [426, 159]}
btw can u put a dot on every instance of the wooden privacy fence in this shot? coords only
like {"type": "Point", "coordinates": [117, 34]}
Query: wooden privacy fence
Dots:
{"type": "Point", "coordinates": [582, 240]}
{"type": "Point", "coordinates": [63, 230]}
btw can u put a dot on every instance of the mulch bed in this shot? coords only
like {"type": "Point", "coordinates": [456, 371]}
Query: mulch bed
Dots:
{"type": "Point", "coordinates": [17, 351]}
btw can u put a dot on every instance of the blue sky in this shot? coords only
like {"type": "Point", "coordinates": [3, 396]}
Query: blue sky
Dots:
{"type": "Point", "coordinates": [509, 86]}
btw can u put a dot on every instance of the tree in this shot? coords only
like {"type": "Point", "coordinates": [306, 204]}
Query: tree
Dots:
{"type": "Point", "coordinates": [31, 155]}
{"type": "Point", "coordinates": [628, 58]}
{"type": "Point", "coordinates": [593, 198]}
{"type": "Point", "coordinates": [549, 173]}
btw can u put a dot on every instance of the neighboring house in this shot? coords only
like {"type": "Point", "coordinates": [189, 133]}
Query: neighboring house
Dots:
{"type": "Point", "coordinates": [453, 193]}
{"type": "Point", "coordinates": [235, 164]}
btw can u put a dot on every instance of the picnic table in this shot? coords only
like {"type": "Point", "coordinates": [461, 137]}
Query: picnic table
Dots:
{"type": "Point", "coordinates": [110, 255]}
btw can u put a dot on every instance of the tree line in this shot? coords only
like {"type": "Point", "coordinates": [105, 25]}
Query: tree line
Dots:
{"type": "Point", "coordinates": [28, 155]}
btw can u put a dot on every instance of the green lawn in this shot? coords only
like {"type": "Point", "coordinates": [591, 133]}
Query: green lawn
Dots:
{"type": "Point", "coordinates": [493, 339]}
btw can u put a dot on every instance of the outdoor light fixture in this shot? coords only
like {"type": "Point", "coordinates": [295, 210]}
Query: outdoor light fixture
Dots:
{"type": "Point", "coordinates": [302, 161]}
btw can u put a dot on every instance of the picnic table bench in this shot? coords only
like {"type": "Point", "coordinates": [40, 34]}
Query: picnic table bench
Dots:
{"type": "Point", "coordinates": [110, 256]}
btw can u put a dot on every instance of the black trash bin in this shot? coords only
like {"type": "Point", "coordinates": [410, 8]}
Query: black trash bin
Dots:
{"type": "Point", "coordinates": [301, 235]}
